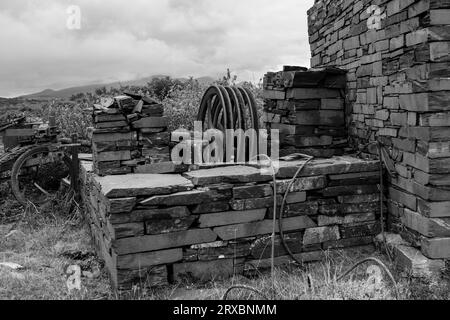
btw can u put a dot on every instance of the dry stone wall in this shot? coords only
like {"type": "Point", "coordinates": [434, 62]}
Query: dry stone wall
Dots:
{"type": "Point", "coordinates": [307, 107]}
{"type": "Point", "coordinates": [158, 228]}
{"type": "Point", "coordinates": [397, 54]}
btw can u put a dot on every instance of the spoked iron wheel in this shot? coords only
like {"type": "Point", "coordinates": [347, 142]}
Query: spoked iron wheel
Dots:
{"type": "Point", "coordinates": [38, 174]}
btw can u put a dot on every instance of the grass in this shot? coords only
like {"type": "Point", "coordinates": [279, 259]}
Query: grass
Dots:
{"type": "Point", "coordinates": [317, 281]}
{"type": "Point", "coordinates": [51, 239]}
{"type": "Point", "coordinates": [45, 244]}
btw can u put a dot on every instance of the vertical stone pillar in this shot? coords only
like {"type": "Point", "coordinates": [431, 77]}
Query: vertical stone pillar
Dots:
{"type": "Point", "coordinates": [307, 107]}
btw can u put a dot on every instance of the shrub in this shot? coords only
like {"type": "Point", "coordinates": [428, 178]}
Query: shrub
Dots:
{"type": "Point", "coordinates": [182, 103]}
{"type": "Point", "coordinates": [70, 118]}
{"type": "Point", "coordinates": [160, 88]}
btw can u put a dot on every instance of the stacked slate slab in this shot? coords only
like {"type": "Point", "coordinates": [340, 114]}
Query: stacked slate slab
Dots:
{"type": "Point", "coordinates": [155, 229]}
{"type": "Point", "coordinates": [397, 54]}
{"type": "Point", "coordinates": [130, 135]}
{"type": "Point", "coordinates": [307, 107]}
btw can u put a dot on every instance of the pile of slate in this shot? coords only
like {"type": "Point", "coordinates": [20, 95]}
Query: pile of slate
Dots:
{"type": "Point", "coordinates": [130, 133]}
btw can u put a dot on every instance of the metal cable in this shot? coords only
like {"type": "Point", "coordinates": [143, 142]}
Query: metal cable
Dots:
{"type": "Point", "coordinates": [274, 179]}
{"type": "Point", "coordinates": [286, 194]}
{"type": "Point", "coordinates": [381, 264]}
{"type": "Point", "coordinates": [225, 295]}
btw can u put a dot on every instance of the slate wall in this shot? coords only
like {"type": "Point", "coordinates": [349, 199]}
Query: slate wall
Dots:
{"type": "Point", "coordinates": [307, 107]}
{"type": "Point", "coordinates": [397, 54]}
{"type": "Point", "coordinates": [208, 224]}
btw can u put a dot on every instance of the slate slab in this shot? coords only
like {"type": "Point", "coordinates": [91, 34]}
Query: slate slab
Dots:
{"type": "Point", "coordinates": [148, 259]}
{"type": "Point", "coordinates": [163, 241]}
{"type": "Point", "coordinates": [140, 215]}
{"type": "Point", "coordinates": [162, 226]}
{"type": "Point", "coordinates": [232, 217]}
{"type": "Point", "coordinates": [302, 184]}
{"type": "Point", "coordinates": [233, 174]}
{"type": "Point", "coordinates": [211, 207]}
{"type": "Point", "coordinates": [250, 204]}
{"type": "Point", "coordinates": [257, 191]}
{"type": "Point", "coordinates": [186, 198]}
{"type": "Point", "coordinates": [438, 248]}
{"type": "Point", "coordinates": [283, 260]}
{"type": "Point", "coordinates": [333, 166]}
{"type": "Point", "coordinates": [122, 205]}
{"type": "Point", "coordinates": [321, 234]}
{"type": "Point", "coordinates": [263, 227]}
{"type": "Point", "coordinates": [135, 185]}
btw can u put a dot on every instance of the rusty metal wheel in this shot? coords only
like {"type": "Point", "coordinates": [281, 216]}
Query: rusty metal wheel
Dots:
{"type": "Point", "coordinates": [37, 175]}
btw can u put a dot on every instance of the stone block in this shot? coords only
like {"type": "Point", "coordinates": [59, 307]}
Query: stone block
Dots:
{"type": "Point", "coordinates": [232, 217]}
{"type": "Point", "coordinates": [142, 185]}
{"type": "Point", "coordinates": [262, 228]}
{"type": "Point", "coordinates": [149, 259]}
{"type": "Point", "coordinates": [320, 235]}
{"type": "Point", "coordinates": [163, 241]}
{"type": "Point", "coordinates": [248, 192]}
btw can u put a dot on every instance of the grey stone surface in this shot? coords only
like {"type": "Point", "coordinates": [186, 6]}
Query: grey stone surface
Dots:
{"type": "Point", "coordinates": [133, 185]}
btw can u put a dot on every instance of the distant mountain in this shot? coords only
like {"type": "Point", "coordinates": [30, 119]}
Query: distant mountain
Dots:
{"type": "Point", "coordinates": [68, 92]}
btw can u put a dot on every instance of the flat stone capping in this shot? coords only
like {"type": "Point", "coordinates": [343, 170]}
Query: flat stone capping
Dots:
{"type": "Point", "coordinates": [287, 169]}
{"type": "Point", "coordinates": [335, 165]}
{"type": "Point", "coordinates": [147, 185]}
{"type": "Point", "coordinates": [135, 185]}
{"type": "Point", "coordinates": [232, 174]}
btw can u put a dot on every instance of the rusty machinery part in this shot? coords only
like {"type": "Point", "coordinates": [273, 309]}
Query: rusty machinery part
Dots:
{"type": "Point", "coordinates": [228, 107]}
{"type": "Point", "coordinates": [7, 159]}
{"type": "Point", "coordinates": [9, 121]}
{"type": "Point", "coordinates": [22, 162]}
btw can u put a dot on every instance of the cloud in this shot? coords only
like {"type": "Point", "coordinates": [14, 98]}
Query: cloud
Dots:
{"type": "Point", "coordinates": [125, 40]}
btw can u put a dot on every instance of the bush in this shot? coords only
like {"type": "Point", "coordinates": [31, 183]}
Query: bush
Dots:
{"type": "Point", "coordinates": [182, 103]}
{"type": "Point", "coordinates": [70, 118]}
{"type": "Point", "coordinates": [161, 88]}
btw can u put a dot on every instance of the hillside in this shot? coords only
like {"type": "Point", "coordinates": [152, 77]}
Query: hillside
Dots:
{"type": "Point", "coordinates": [68, 92]}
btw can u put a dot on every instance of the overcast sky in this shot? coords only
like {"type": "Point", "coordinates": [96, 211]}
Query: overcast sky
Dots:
{"type": "Point", "coordinates": [124, 40]}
